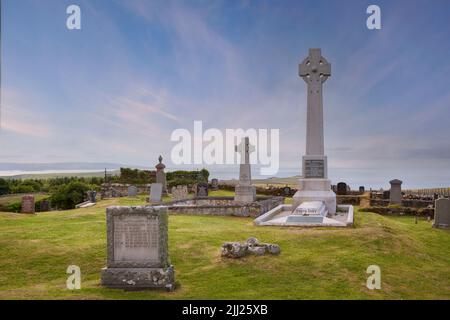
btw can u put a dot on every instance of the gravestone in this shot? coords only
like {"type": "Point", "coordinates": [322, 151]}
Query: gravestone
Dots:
{"type": "Point", "coordinates": [202, 189]}
{"type": "Point", "coordinates": [386, 194]}
{"type": "Point", "coordinates": [155, 192]}
{"type": "Point", "coordinates": [314, 184]}
{"type": "Point", "coordinates": [214, 184]}
{"type": "Point", "coordinates": [287, 191]}
{"type": "Point", "coordinates": [44, 206]}
{"type": "Point", "coordinates": [362, 189]}
{"type": "Point", "coordinates": [179, 193]}
{"type": "Point", "coordinates": [92, 196]}
{"type": "Point", "coordinates": [28, 204]}
{"type": "Point", "coordinates": [442, 213]}
{"type": "Point", "coordinates": [137, 249]}
{"type": "Point", "coordinates": [395, 196]}
{"type": "Point", "coordinates": [342, 188]}
{"type": "Point", "coordinates": [244, 191]}
{"type": "Point", "coordinates": [161, 175]}
{"type": "Point", "coordinates": [132, 191]}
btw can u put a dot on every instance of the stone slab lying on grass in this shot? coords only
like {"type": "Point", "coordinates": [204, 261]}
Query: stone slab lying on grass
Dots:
{"type": "Point", "coordinates": [238, 250]}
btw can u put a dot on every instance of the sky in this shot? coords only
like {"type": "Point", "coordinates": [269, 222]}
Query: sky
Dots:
{"type": "Point", "coordinates": [115, 90]}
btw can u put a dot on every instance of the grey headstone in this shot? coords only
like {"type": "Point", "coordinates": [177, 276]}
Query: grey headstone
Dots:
{"type": "Point", "coordinates": [342, 188]}
{"type": "Point", "coordinates": [156, 192]}
{"type": "Point", "coordinates": [442, 213]}
{"type": "Point", "coordinates": [287, 191]}
{"type": "Point", "coordinates": [132, 191]}
{"type": "Point", "coordinates": [362, 189]}
{"type": "Point", "coordinates": [395, 196]}
{"type": "Point", "coordinates": [45, 206]}
{"type": "Point", "coordinates": [202, 189]}
{"type": "Point", "coordinates": [215, 184]}
{"type": "Point", "coordinates": [137, 249]}
{"type": "Point", "coordinates": [179, 193]}
{"type": "Point", "coordinates": [92, 196]}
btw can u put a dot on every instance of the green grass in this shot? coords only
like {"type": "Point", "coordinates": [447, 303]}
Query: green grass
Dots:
{"type": "Point", "coordinates": [314, 264]}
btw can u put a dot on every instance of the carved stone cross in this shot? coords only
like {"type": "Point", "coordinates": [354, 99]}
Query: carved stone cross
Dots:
{"type": "Point", "coordinates": [314, 70]}
{"type": "Point", "coordinates": [245, 148]}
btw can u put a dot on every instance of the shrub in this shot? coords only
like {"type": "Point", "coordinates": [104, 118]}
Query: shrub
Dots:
{"type": "Point", "coordinates": [22, 189]}
{"type": "Point", "coordinates": [68, 196]}
{"type": "Point", "coordinates": [4, 187]}
{"type": "Point", "coordinates": [14, 207]}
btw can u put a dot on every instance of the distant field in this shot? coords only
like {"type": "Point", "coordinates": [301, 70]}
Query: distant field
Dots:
{"type": "Point", "coordinates": [316, 263]}
{"type": "Point", "coordinates": [61, 175]}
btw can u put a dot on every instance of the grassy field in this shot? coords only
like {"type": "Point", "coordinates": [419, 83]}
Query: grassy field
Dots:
{"type": "Point", "coordinates": [314, 264]}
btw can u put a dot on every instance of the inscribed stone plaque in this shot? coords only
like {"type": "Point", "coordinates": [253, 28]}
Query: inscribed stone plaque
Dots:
{"type": "Point", "coordinates": [136, 238]}
{"type": "Point", "coordinates": [314, 169]}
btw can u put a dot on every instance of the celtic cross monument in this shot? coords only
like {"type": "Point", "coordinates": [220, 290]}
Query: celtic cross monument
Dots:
{"type": "Point", "coordinates": [314, 184]}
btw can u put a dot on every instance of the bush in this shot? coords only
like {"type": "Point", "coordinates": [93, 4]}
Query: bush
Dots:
{"type": "Point", "coordinates": [22, 189]}
{"type": "Point", "coordinates": [68, 196]}
{"type": "Point", "coordinates": [4, 187]}
{"type": "Point", "coordinates": [14, 207]}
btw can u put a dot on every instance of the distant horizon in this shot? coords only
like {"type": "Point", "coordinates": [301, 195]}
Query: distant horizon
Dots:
{"type": "Point", "coordinates": [232, 173]}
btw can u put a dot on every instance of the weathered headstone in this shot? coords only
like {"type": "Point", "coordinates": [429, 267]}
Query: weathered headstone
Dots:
{"type": "Point", "coordinates": [244, 191]}
{"type": "Point", "coordinates": [137, 249]}
{"type": "Point", "coordinates": [362, 189]}
{"type": "Point", "coordinates": [386, 194]}
{"type": "Point", "coordinates": [44, 206]}
{"type": "Point", "coordinates": [442, 213]}
{"type": "Point", "coordinates": [214, 184]}
{"type": "Point", "coordinates": [395, 196]}
{"type": "Point", "coordinates": [202, 189]}
{"type": "Point", "coordinates": [161, 175]}
{"type": "Point", "coordinates": [132, 191]}
{"type": "Point", "coordinates": [287, 191]}
{"type": "Point", "coordinates": [179, 193]}
{"type": "Point", "coordinates": [28, 204]}
{"type": "Point", "coordinates": [341, 188]}
{"type": "Point", "coordinates": [92, 196]}
{"type": "Point", "coordinates": [156, 192]}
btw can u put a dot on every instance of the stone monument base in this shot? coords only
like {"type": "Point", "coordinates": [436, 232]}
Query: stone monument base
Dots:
{"type": "Point", "coordinates": [245, 194]}
{"type": "Point", "coordinates": [308, 212]}
{"type": "Point", "coordinates": [138, 278]}
{"type": "Point", "coordinates": [315, 190]}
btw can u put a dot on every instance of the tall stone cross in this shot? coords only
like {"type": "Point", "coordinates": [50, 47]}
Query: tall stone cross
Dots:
{"type": "Point", "coordinates": [245, 174]}
{"type": "Point", "coordinates": [314, 70]}
{"type": "Point", "coordinates": [245, 148]}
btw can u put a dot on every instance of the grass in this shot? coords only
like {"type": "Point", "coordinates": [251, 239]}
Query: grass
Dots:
{"type": "Point", "coordinates": [318, 263]}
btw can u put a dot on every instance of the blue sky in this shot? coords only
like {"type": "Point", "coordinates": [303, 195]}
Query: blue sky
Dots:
{"type": "Point", "coordinates": [116, 89]}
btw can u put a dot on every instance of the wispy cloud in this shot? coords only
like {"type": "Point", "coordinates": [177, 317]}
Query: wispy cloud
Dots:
{"type": "Point", "coordinates": [18, 116]}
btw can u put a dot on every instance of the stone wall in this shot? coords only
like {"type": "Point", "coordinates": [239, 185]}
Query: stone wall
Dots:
{"type": "Point", "coordinates": [114, 190]}
{"type": "Point", "coordinates": [399, 211]}
{"type": "Point", "coordinates": [224, 206]}
{"type": "Point", "coordinates": [405, 203]}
